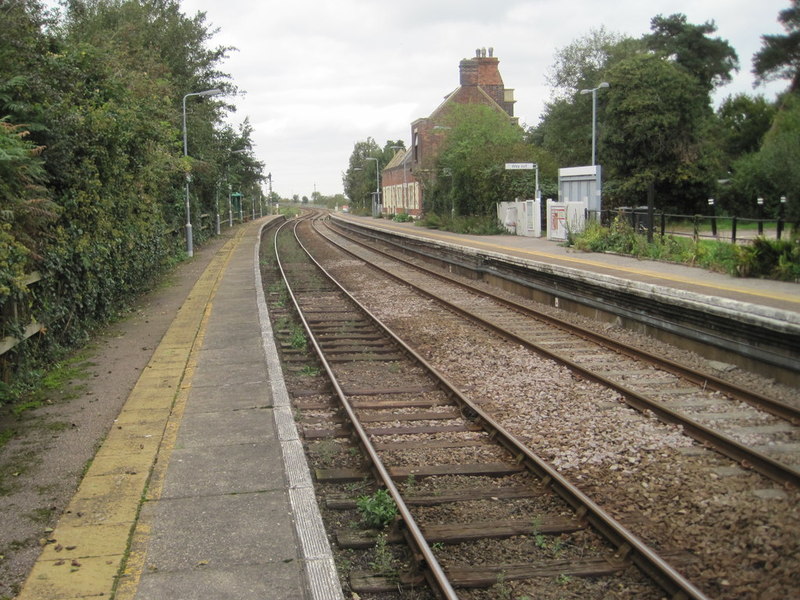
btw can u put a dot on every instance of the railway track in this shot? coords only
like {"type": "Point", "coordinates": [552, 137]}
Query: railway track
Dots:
{"type": "Point", "coordinates": [743, 424]}
{"type": "Point", "coordinates": [478, 509]}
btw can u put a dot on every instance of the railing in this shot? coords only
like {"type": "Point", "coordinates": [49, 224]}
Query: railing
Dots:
{"type": "Point", "coordinates": [734, 229]}
{"type": "Point", "coordinates": [13, 313]}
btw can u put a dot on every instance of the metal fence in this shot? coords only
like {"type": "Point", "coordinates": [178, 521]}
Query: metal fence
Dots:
{"type": "Point", "coordinates": [722, 228]}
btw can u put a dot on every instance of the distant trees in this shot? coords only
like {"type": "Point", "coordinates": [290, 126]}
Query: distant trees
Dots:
{"type": "Point", "coordinates": [742, 121]}
{"type": "Point", "coordinates": [360, 179]}
{"type": "Point", "coordinates": [771, 168]}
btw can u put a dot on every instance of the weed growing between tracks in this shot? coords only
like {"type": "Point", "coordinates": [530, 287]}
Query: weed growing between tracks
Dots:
{"type": "Point", "coordinates": [377, 510]}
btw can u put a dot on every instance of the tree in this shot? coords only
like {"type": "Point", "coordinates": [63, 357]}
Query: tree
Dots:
{"type": "Point", "coordinates": [772, 171]}
{"type": "Point", "coordinates": [359, 179]}
{"type": "Point", "coordinates": [779, 56]}
{"type": "Point", "coordinates": [656, 119]}
{"type": "Point", "coordinates": [582, 63]}
{"type": "Point", "coordinates": [709, 60]}
{"type": "Point", "coordinates": [565, 128]}
{"type": "Point", "coordinates": [743, 121]}
{"type": "Point", "coordinates": [469, 171]}
{"type": "Point", "coordinates": [102, 91]}
{"type": "Point", "coordinates": [25, 211]}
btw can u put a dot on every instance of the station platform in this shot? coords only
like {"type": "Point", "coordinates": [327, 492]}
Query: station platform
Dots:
{"type": "Point", "coordinates": [759, 294]}
{"type": "Point", "coordinates": [200, 489]}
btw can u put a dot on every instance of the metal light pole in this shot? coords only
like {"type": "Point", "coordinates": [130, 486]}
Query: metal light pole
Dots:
{"type": "Point", "coordinates": [230, 206]}
{"type": "Point", "coordinates": [230, 187]}
{"type": "Point", "coordinates": [216, 205]}
{"type": "Point", "coordinates": [189, 244]}
{"type": "Point", "coordinates": [269, 199]}
{"type": "Point", "coordinates": [593, 92]}
{"type": "Point", "coordinates": [377, 200]}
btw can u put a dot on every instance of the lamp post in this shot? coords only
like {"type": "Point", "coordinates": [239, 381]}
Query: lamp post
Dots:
{"type": "Point", "coordinates": [269, 198]}
{"type": "Point", "coordinates": [593, 92]}
{"type": "Point", "coordinates": [216, 206]}
{"type": "Point", "coordinates": [230, 206]}
{"type": "Point", "coordinates": [189, 244]}
{"type": "Point", "coordinates": [377, 200]}
{"type": "Point", "coordinates": [230, 187]}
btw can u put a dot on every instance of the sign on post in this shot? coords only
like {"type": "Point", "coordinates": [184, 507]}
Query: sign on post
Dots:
{"type": "Point", "coordinates": [526, 167]}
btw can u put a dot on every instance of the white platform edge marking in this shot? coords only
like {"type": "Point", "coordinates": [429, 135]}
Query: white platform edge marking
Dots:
{"type": "Point", "coordinates": [284, 419]}
{"type": "Point", "coordinates": [297, 473]}
{"type": "Point", "coordinates": [323, 581]}
{"type": "Point", "coordinates": [315, 542]}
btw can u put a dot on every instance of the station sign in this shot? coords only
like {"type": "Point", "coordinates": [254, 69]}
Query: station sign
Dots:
{"type": "Point", "coordinates": [520, 166]}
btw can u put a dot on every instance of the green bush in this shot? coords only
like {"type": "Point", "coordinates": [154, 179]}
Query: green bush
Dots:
{"type": "Point", "coordinates": [402, 218]}
{"type": "Point", "coordinates": [471, 225]}
{"type": "Point", "coordinates": [430, 221]}
{"type": "Point", "coordinates": [772, 259]}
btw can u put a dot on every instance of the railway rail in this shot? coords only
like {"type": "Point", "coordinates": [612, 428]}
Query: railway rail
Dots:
{"type": "Point", "coordinates": [745, 425]}
{"type": "Point", "coordinates": [434, 450]}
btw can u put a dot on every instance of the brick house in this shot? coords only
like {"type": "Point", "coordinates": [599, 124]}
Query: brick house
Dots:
{"type": "Point", "coordinates": [479, 83]}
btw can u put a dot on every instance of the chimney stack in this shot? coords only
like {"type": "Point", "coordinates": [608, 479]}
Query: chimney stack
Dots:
{"type": "Point", "coordinates": [483, 71]}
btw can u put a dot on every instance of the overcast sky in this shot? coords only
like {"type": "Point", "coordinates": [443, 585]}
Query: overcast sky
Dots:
{"type": "Point", "coordinates": [321, 75]}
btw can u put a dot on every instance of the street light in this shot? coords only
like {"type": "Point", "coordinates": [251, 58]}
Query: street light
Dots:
{"type": "Point", "coordinates": [189, 245]}
{"type": "Point", "coordinates": [593, 92]}
{"type": "Point", "coordinates": [269, 178]}
{"type": "Point", "coordinates": [230, 188]}
{"type": "Point", "coordinates": [377, 184]}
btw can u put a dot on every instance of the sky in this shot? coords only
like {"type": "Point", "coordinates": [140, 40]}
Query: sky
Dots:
{"type": "Point", "coordinates": [318, 76]}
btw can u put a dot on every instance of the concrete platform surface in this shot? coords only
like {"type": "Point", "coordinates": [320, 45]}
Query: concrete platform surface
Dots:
{"type": "Point", "coordinates": [199, 490]}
